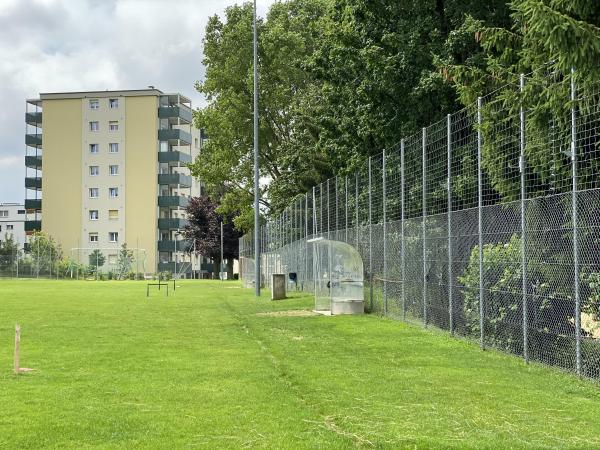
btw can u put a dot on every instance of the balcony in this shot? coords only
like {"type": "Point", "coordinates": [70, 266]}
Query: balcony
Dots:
{"type": "Point", "coordinates": [31, 203]}
{"type": "Point", "coordinates": [33, 183]}
{"type": "Point", "coordinates": [172, 224]}
{"type": "Point", "coordinates": [174, 157]}
{"type": "Point", "coordinates": [175, 180]}
{"type": "Point", "coordinates": [169, 246]}
{"type": "Point", "coordinates": [33, 225]}
{"type": "Point", "coordinates": [182, 267]}
{"type": "Point", "coordinates": [173, 201]}
{"type": "Point", "coordinates": [175, 136]}
{"type": "Point", "coordinates": [33, 140]}
{"type": "Point", "coordinates": [174, 113]}
{"type": "Point", "coordinates": [34, 162]}
{"type": "Point", "coordinates": [33, 118]}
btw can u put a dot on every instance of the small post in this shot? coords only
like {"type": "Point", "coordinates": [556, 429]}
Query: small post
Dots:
{"type": "Point", "coordinates": [423, 225]}
{"type": "Point", "coordinates": [574, 201]}
{"type": "Point", "coordinates": [449, 168]}
{"type": "Point", "coordinates": [402, 253]}
{"type": "Point", "coordinates": [370, 241]}
{"type": "Point", "coordinates": [385, 301]}
{"type": "Point", "coordinates": [523, 229]}
{"type": "Point", "coordinates": [479, 221]}
{"type": "Point", "coordinates": [17, 356]}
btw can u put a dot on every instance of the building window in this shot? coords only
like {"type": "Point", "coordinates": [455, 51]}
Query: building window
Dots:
{"type": "Point", "coordinates": [196, 142]}
{"type": "Point", "coordinates": [94, 148]}
{"type": "Point", "coordinates": [113, 192]}
{"type": "Point", "coordinates": [94, 104]}
{"type": "Point", "coordinates": [94, 171]}
{"type": "Point", "coordinates": [113, 214]}
{"type": "Point", "coordinates": [21, 211]}
{"type": "Point", "coordinates": [113, 170]}
{"type": "Point", "coordinates": [113, 103]}
{"type": "Point", "coordinates": [93, 214]}
{"type": "Point", "coordinates": [113, 236]}
{"type": "Point", "coordinates": [94, 193]}
{"type": "Point", "coordinates": [93, 237]}
{"type": "Point", "coordinates": [3, 213]}
{"type": "Point", "coordinates": [94, 126]}
{"type": "Point", "coordinates": [112, 260]}
{"type": "Point", "coordinates": [113, 125]}
{"type": "Point", "coordinates": [113, 147]}
{"type": "Point", "coordinates": [9, 227]}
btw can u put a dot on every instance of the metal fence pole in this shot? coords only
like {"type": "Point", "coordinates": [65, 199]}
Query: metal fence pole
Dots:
{"type": "Point", "coordinates": [523, 229]}
{"type": "Point", "coordinates": [574, 201]}
{"type": "Point", "coordinates": [449, 188]}
{"type": "Point", "coordinates": [423, 225]}
{"type": "Point", "coordinates": [385, 300]}
{"type": "Point", "coordinates": [356, 210]}
{"type": "Point", "coordinates": [402, 252]}
{"type": "Point", "coordinates": [328, 214]}
{"type": "Point", "coordinates": [479, 220]}
{"type": "Point", "coordinates": [346, 210]}
{"type": "Point", "coordinates": [370, 240]}
{"type": "Point", "coordinates": [337, 209]}
{"type": "Point", "coordinates": [305, 278]}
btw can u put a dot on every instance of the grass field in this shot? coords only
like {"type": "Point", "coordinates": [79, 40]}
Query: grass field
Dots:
{"type": "Point", "coordinates": [204, 368]}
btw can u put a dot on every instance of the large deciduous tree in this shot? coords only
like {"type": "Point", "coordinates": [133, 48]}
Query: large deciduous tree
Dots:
{"type": "Point", "coordinates": [204, 231]}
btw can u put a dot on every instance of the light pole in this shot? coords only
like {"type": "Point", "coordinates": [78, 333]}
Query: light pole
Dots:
{"type": "Point", "coordinates": [221, 268]}
{"type": "Point", "coordinates": [176, 234]}
{"type": "Point", "coordinates": [256, 172]}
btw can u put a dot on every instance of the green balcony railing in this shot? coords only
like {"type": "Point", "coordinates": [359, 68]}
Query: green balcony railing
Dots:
{"type": "Point", "coordinates": [174, 157]}
{"type": "Point", "coordinates": [33, 225]}
{"type": "Point", "coordinates": [172, 224]}
{"type": "Point", "coordinates": [169, 246]}
{"type": "Point", "coordinates": [33, 140]}
{"type": "Point", "coordinates": [33, 183]}
{"type": "Point", "coordinates": [173, 201]}
{"type": "Point", "coordinates": [175, 112]}
{"type": "Point", "coordinates": [175, 179]}
{"type": "Point", "coordinates": [33, 162]}
{"type": "Point", "coordinates": [33, 118]}
{"type": "Point", "coordinates": [31, 203]}
{"type": "Point", "coordinates": [175, 135]}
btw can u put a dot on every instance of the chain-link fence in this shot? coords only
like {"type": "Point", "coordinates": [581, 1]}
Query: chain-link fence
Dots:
{"type": "Point", "coordinates": [484, 224]}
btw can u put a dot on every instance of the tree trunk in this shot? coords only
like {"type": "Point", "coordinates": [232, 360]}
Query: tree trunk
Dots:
{"type": "Point", "coordinates": [216, 267]}
{"type": "Point", "coordinates": [230, 268]}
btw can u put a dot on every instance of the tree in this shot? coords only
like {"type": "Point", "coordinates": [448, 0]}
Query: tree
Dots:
{"type": "Point", "coordinates": [204, 230]}
{"type": "Point", "coordinates": [44, 252]}
{"type": "Point", "coordinates": [9, 252]}
{"type": "Point", "coordinates": [124, 261]}
{"type": "Point", "coordinates": [96, 260]}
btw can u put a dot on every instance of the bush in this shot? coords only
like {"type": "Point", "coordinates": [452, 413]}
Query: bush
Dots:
{"type": "Point", "coordinates": [165, 276]}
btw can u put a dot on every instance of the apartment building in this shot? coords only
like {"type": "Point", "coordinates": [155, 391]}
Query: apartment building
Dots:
{"type": "Point", "coordinates": [12, 223]}
{"type": "Point", "coordinates": [109, 167]}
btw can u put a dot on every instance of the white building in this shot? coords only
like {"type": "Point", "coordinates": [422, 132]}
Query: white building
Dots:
{"type": "Point", "coordinates": [12, 222]}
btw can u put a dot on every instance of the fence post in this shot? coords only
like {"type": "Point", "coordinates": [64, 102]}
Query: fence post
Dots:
{"type": "Point", "coordinates": [314, 203]}
{"type": "Point", "coordinates": [449, 188]}
{"type": "Point", "coordinates": [305, 279]}
{"type": "Point", "coordinates": [479, 220]}
{"type": "Point", "coordinates": [402, 253]}
{"type": "Point", "coordinates": [574, 201]}
{"type": "Point", "coordinates": [346, 210]}
{"type": "Point", "coordinates": [356, 210]}
{"type": "Point", "coordinates": [337, 209]}
{"type": "Point", "coordinates": [385, 300]}
{"type": "Point", "coordinates": [370, 241]}
{"type": "Point", "coordinates": [328, 212]}
{"type": "Point", "coordinates": [523, 229]}
{"type": "Point", "coordinates": [423, 225]}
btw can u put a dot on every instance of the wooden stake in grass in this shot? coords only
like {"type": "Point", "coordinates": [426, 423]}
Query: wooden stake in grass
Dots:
{"type": "Point", "coordinates": [17, 347]}
{"type": "Point", "coordinates": [17, 361]}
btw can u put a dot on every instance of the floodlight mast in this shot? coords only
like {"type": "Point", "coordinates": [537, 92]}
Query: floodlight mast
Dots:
{"type": "Point", "coordinates": [256, 171]}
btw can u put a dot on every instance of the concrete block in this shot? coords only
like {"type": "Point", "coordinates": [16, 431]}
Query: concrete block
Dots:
{"type": "Point", "coordinates": [278, 286]}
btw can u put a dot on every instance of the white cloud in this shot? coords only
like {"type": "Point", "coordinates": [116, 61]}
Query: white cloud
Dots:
{"type": "Point", "coordinates": [66, 45]}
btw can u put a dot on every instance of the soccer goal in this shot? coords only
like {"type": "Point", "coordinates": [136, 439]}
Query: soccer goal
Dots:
{"type": "Point", "coordinates": [109, 263]}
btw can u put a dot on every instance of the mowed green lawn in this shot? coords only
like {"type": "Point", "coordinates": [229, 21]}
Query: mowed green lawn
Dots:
{"type": "Point", "coordinates": [202, 369]}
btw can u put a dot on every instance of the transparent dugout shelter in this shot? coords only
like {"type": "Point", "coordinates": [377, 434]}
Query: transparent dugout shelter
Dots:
{"type": "Point", "coordinates": [339, 283]}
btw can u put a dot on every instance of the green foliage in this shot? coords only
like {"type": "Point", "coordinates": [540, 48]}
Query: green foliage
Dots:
{"type": "Point", "coordinates": [96, 260]}
{"type": "Point", "coordinates": [124, 261]}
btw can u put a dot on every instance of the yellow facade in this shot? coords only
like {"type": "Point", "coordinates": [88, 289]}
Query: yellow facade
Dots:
{"type": "Point", "coordinates": [61, 188]}
{"type": "Point", "coordinates": [141, 169]}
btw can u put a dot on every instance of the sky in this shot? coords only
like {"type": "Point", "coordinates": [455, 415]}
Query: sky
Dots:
{"type": "Point", "coordinates": [86, 45]}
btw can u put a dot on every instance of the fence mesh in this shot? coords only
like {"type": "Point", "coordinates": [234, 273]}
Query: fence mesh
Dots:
{"type": "Point", "coordinates": [484, 224]}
